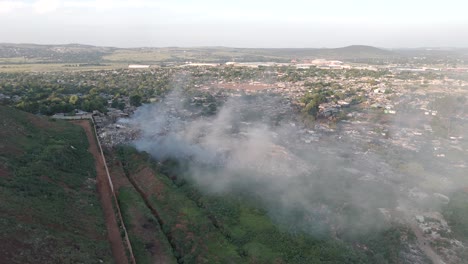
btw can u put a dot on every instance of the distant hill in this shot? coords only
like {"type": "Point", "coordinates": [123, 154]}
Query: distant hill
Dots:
{"type": "Point", "coordinates": [77, 53]}
{"type": "Point", "coordinates": [33, 53]}
{"type": "Point", "coordinates": [87, 54]}
{"type": "Point", "coordinates": [49, 209]}
{"type": "Point", "coordinates": [349, 52]}
{"type": "Point", "coordinates": [224, 54]}
{"type": "Point", "coordinates": [360, 51]}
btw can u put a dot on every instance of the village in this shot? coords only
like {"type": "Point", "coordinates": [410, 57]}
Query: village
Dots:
{"type": "Point", "coordinates": [352, 104]}
{"type": "Point", "coordinates": [383, 123]}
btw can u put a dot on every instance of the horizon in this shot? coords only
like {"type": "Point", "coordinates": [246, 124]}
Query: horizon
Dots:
{"type": "Point", "coordinates": [233, 47]}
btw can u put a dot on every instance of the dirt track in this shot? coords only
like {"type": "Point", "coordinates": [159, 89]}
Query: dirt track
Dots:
{"type": "Point", "coordinates": [423, 244]}
{"type": "Point", "coordinates": [105, 194]}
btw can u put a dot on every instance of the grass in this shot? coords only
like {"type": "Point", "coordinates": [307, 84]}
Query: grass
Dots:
{"type": "Point", "coordinates": [136, 56]}
{"type": "Point", "coordinates": [255, 221]}
{"type": "Point", "coordinates": [50, 208]}
{"type": "Point", "coordinates": [135, 215]}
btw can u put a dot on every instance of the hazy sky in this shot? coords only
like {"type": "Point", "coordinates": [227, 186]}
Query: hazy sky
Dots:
{"type": "Point", "coordinates": [240, 23]}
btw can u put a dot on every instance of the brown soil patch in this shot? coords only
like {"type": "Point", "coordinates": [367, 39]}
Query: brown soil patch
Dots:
{"type": "Point", "coordinates": [9, 149]}
{"type": "Point", "coordinates": [59, 183]}
{"type": "Point", "coordinates": [105, 193]}
{"type": "Point", "coordinates": [10, 249]}
{"type": "Point", "coordinates": [4, 173]}
{"type": "Point", "coordinates": [148, 182]}
{"type": "Point", "coordinates": [39, 122]}
{"type": "Point", "coordinates": [147, 230]}
{"type": "Point", "coordinates": [117, 173]}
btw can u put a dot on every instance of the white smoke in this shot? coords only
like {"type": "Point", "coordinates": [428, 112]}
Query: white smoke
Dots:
{"type": "Point", "coordinates": [282, 164]}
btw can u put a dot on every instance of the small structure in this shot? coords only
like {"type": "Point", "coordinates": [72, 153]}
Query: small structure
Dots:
{"type": "Point", "coordinates": [138, 66]}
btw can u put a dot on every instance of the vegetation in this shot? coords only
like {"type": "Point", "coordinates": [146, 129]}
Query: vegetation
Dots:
{"type": "Point", "coordinates": [51, 93]}
{"type": "Point", "coordinates": [50, 211]}
{"type": "Point", "coordinates": [149, 243]}
{"type": "Point", "coordinates": [312, 102]}
{"type": "Point", "coordinates": [456, 213]}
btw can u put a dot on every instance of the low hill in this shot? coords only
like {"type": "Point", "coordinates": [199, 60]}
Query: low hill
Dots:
{"type": "Point", "coordinates": [82, 56]}
{"type": "Point", "coordinates": [349, 52]}
{"type": "Point", "coordinates": [224, 54]}
{"type": "Point", "coordinates": [49, 210]}
{"type": "Point", "coordinates": [33, 53]}
{"type": "Point", "coordinates": [76, 53]}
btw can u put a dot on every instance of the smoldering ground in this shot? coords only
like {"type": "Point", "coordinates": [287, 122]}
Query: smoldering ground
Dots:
{"type": "Point", "coordinates": [306, 180]}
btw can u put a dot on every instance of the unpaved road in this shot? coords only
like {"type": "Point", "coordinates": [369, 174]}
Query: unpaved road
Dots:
{"type": "Point", "coordinates": [423, 244]}
{"type": "Point", "coordinates": [105, 194]}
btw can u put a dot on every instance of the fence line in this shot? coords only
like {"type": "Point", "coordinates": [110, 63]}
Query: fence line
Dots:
{"type": "Point", "coordinates": [129, 245]}
{"type": "Point", "coordinates": [109, 180]}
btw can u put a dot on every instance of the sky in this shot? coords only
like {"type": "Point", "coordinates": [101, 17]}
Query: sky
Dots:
{"type": "Point", "coordinates": [240, 23]}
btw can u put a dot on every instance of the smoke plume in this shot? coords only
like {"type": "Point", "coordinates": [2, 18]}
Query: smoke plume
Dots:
{"type": "Point", "coordinates": [308, 179]}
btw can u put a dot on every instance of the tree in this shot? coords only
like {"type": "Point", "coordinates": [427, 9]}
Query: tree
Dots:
{"type": "Point", "coordinates": [73, 99]}
{"type": "Point", "coordinates": [116, 103]}
{"type": "Point", "coordinates": [312, 108]}
{"type": "Point", "coordinates": [135, 100]}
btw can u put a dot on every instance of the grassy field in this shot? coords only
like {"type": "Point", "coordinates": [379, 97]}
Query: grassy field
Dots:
{"type": "Point", "coordinates": [50, 211]}
{"type": "Point", "coordinates": [137, 56]}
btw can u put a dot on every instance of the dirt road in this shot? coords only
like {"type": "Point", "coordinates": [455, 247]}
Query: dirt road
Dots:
{"type": "Point", "coordinates": [423, 244]}
{"type": "Point", "coordinates": [105, 194]}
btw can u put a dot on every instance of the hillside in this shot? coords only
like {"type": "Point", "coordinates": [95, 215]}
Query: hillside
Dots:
{"type": "Point", "coordinates": [50, 210]}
